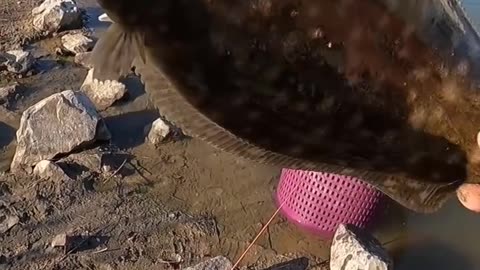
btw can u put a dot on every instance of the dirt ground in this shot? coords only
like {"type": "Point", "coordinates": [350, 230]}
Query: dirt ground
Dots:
{"type": "Point", "coordinates": [155, 208]}
{"type": "Point", "coordinates": [15, 22]}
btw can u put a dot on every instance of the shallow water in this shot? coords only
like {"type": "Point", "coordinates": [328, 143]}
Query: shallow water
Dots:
{"type": "Point", "coordinates": [473, 8]}
{"type": "Point", "coordinates": [449, 239]}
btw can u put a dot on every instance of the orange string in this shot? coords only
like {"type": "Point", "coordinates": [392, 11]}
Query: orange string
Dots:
{"type": "Point", "coordinates": [258, 236]}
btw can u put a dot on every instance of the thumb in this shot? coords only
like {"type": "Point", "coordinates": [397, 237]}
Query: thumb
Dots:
{"type": "Point", "coordinates": [469, 196]}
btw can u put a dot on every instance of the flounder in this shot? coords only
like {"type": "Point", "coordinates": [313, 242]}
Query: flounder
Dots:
{"type": "Point", "coordinates": [339, 86]}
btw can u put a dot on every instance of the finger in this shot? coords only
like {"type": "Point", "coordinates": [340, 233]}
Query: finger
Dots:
{"type": "Point", "coordinates": [469, 196]}
{"type": "Point", "coordinates": [478, 138]}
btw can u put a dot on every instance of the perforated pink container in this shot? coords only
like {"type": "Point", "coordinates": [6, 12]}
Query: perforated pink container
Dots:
{"type": "Point", "coordinates": [319, 202]}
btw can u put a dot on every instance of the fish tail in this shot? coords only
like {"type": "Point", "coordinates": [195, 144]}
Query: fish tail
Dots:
{"type": "Point", "coordinates": [115, 52]}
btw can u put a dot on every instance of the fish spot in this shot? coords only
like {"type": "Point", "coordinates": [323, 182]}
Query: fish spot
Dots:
{"type": "Point", "coordinates": [384, 21]}
{"type": "Point", "coordinates": [296, 150]}
{"type": "Point", "coordinates": [416, 159]}
{"type": "Point", "coordinates": [462, 68]}
{"type": "Point", "coordinates": [356, 34]}
{"type": "Point", "coordinates": [327, 104]}
{"type": "Point", "coordinates": [412, 95]}
{"type": "Point", "coordinates": [408, 32]}
{"type": "Point", "coordinates": [455, 158]}
{"type": "Point", "coordinates": [320, 132]}
{"type": "Point", "coordinates": [418, 118]}
{"type": "Point", "coordinates": [404, 53]}
{"type": "Point", "coordinates": [450, 91]}
{"type": "Point", "coordinates": [280, 99]}
{"type": "Point", "coordinates": [437, 114]}
{"type": "Point", "coordinates": [355, 121]}
{"type": "Point", "coordinates": [316, 33]}
{"type": "Point", "coordinates": [301, 106]}
{"type": "Point", "coordinates": [254, 115]}
{"type": "Point", "coordinates": [264, 7]}
{"type": "Point", "coordinates": [436, 175]}
{"type": "Point", "coordinates": [247, 130]}
{"type": "Point", "coordinates": [240, 100]}
{"type": "Point", "coordinates": [294, 13]}
{"type": "Point", "coordinates": [474, 156]}
{"type": "Point", "coordinates": [421, 74]}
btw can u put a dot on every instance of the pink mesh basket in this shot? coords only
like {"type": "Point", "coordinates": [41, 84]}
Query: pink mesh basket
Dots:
{"type": "Point", "coordinates": [318, 202]}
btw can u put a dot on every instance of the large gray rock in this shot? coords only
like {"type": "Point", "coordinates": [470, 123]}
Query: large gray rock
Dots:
{"type": "Point", "coordinates": [17, 61]}
{"type": "Point", "coordinates": [217, 263]}
{"type": "Point", "coordinates": [59, 124]}
{"type": "Point", "coordinates": [353, 249]}
{"type": "Point", "coordinates": [53, 15]}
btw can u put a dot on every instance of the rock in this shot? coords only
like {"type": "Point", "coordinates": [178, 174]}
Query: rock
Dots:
{"type": "Point", "coordinates": [7, 221]}
{"type": "Point", "coordinates": [17, 61]}
{"type": "Point", "coordinates": [90, 160]}
{"type": "Point", "coordinates": [159, 131]}
{"type": "Point", "coordinates": [60, 240]}
{"type": "Point", "coordinates": [54, 15]}
{"type": "Point", "coordinates": [47, 169]}
{"type": "Point", "coordinates": [353, 249]}
{"type": "Point", "coordinates": [8, 94]}
{"type": "Point", "coordinates": [104, 18]}
{"type": "Point", "coordinates": [77, 43]}
{"type": "Point", "coordinates": [58, 124]}
{"type": "Point", "coordinates": [103, 94]}
{"type": "Point", "coordinates": [83, 59]}
{"type": "Point", "coordinates": [217, 263]}
{"type": "Point", "coordinates": [41, 209]}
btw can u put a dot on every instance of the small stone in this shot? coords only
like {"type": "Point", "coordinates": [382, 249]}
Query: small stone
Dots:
{"type": "Point", "coordinates": [9, 94]}
{"type": "Point", "coordinates": [54, 15]}
{"type": "Point", "coordinates": [104, 18]}
{"type": "Point", "coordinates": [41, 209]}
{"type": "Point", "coordinates": [60, 240]}
{"type": "Point", "coordinates": [103, 94]}
{"type": "Point", "coordinates": [83, 59]}
{"type": "Point", "coordinates": [17, 61]}
{"type": "Point", "coordinates": [159, 131]}
{"type": "Point", "coordinates": [47, 169]}
{"type": "Point", "coordinates": [7, 222]}
{"type": "Point", "coordinates": [216, 263]}
{"type": "Point", "coordinates": [77, 43]}
{"type": "Point", "coordinates": [107, 169]}
{"type": "Point", "coordinates": [105, 266]}
{"type": "Point", "coordinates": [354, 249]}
{"type": "Point", "coordinates": [59, 124]}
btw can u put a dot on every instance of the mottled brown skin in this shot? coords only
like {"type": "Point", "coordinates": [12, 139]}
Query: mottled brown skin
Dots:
{"type": "Point", "coordinates": [262, 70]}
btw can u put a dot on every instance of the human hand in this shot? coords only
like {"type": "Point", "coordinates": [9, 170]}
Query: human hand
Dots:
{"type": "Point", "coordinates": [469, 194]}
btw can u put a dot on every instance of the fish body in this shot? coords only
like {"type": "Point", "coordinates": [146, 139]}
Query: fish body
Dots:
{"type": "Point", "coordinates": [338, 86]}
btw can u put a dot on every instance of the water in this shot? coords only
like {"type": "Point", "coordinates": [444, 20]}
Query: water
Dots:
{"type": "Point", "coordinates": [449, 239]}
{"type": "Point", "coordinates": [472, 7]}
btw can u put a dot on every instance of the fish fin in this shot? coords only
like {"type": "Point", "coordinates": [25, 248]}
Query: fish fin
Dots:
{"type": "Point", "coordinates": [114, 54]}
{"type": "Point", "coordinates": [411, 193]}
{"type": "Point", "coordinates": [418, 196]}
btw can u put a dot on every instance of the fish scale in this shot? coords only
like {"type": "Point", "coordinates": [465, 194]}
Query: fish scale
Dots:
{"type": "Point", "coordinates": [234, 74]}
